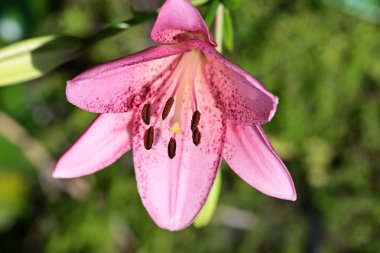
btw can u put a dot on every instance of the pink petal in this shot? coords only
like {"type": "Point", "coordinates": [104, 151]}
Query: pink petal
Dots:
{"type": "Point", "coordinates": [178, 20]}
{"type": "Point", "coordinates": [241, 97]}
{"type": "Point", "coordinates": [174, 190]}
{"type": "Point", "coordinates": [251, 156]}
{"type": "Point", "coordinates": [107, 138]}
{"type": "Point", "coordinates": [120, 85]}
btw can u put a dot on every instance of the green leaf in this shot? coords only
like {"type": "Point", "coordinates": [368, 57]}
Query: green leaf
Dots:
{"type": "Point", "coordinates": [198, 2]}
{"type": "Point", "coordinates": [228, 30]}
{"type": "Point", "coordinates": [211, 12]}
{"type": "Point", "coordinates": [231, 4]}
{"type": "Point", "coordinates": [208, 209]}
{"type": "Point", "coordinates": [33, 58]}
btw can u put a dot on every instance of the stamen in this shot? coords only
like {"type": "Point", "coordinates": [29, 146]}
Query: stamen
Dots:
{"type": "Point", "coordinates": [195, 120]}
{"type": "Point", "coordinates": [172, 148]}
{"type": "Point", "coordinates": [167, 108]}
{"type": "Point", "coordinates": [148, 138]}
{"type": "Point", "coordinates": [196, 137]}
{"type": "Point", "coordinates": [145, 114]}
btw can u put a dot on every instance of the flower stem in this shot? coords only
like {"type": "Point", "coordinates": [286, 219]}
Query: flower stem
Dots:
{"type": "Point", "coordinates": [219, 27]}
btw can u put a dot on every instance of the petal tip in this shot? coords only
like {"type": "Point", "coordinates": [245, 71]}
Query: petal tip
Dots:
{"type": "Point", "coordinates": [172, 224]}
{"type": "Point", "coordinates": [178, 18]}
{"type": "Point", "coordinates": [290, 195]}
{"type": "Point", "coordinates": [59, 174]}
{"type": "Point", "coordinates": [273, 111]}
{"type": "Point", "coordinates": [61, 170]}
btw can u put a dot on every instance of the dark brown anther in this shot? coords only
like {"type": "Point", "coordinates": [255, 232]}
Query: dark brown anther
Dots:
{"type": "Point", "coordinates": [195, 120]}
{"type": "Point", "coordinates": [196, 136]}
{"type": "Point", "coordinates": [145, 114]}
{"type": "Point", "coordinates": [148, 138]}
{"type": "Point", "coordinates": [167, 108]}
{"type": "Point", "coordinates": [171, 148]}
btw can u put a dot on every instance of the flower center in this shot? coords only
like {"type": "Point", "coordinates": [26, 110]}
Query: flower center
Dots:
{"type": "Point", "coordinates": [183, 78]}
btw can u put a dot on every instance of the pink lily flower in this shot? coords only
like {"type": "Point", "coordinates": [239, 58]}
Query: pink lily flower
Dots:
{"type": "Point", "coordinates": [181, 106]}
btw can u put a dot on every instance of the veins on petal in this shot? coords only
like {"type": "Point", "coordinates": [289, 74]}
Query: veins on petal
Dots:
{"type": "Point", "coordinates": [182, 81]}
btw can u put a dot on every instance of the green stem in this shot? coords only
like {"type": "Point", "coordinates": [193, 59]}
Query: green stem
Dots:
{"type": "Point", "coordinates": [219, 27]}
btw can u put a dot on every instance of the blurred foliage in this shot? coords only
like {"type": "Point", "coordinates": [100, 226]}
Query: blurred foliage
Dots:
{"type": "Point", "coordinates": [321, 60]}
{"type": "Point", "coordinates": [33, 58]}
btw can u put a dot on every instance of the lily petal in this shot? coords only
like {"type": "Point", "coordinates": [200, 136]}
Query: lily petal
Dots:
{"type": "Point", "coordinates": [173, 191]}
{"type": "Point", "coordinates": [251, 156]}
{"type": "Point", "coordinates": [105, 141]}
{"type": "Point", "coordinates": [241, 97]}
{"type": "Point", "coordinates": [120, 85]}
{"type": "Point", "coordinates": [178, 20]}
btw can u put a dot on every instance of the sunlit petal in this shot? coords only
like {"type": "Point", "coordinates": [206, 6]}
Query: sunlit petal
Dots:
{"type": "Point", "coordinates": [119, 86]}
{"type": "Point", "coordinates": [106, 139]}
{"type": "Point", "coordinates": [251, 156]}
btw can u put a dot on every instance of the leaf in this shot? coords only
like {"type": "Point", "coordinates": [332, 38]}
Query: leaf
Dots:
{"type": "Point", "coordinates": [231, 4]}
{"type": "Point", "coordinates": [33, 58]}
{"type": "Point", "coordinates": [228, 30]}
{"type": "Point", "coordinates": [211, 12]}
{"type": "Point", "coordinates": [198, 2]}
{"type": "Point", "coordinates": [208, 209]}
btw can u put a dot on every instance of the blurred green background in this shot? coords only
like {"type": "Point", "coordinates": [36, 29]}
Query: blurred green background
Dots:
{"type": "Point", "coordinates": [321, 58]}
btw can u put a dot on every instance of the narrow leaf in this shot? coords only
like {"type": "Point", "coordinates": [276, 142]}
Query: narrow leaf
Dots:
{"type": "Point", "coordinates": [198, 2]}
{"type": "Point", "coordinates": [231, 4]}
{"type": "Point", "coordinates": [33, 58]}
{"type": "Point", "coordinates": [211, 12]}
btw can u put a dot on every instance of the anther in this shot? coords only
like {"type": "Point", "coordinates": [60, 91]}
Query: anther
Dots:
{"type": "Point", "coordinates": [172, 148]}
{"type": "Point", "coordinates": [196, 136]}
{"type": "Point", "coordinates": [148, 138]}
{"type": "Point", "coordinates": [167, 108]}
{"type": "Point", "coordinates": [145, 114]}
{"type": "Point", "coordinates": [195, 120]}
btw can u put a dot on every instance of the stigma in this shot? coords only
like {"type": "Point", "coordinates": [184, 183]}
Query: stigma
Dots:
{"type": "Point", "coordinates": [181, 89]}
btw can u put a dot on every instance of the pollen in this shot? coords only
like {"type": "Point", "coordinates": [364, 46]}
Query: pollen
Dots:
{"type": "Point", "coordinates": [145, 114]}
{"type": "Point", "coordinates": [196, 137]}
{"type": "Point", "coordinates": [172, 146]}
{"type": "Point", "coordinates": [195, 120]}
{"type": "Point", "coordinates": [148, 138]}
{"type": "Point", "coordinates": [167, 108]}
{"type": "Point", "coordinates": [176, 128]}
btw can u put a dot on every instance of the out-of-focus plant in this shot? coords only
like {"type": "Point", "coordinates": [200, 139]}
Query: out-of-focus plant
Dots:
{"type": "Point", "coordinates": [33, 58]}
{"type": "Point", "coordinates": [30, 59]}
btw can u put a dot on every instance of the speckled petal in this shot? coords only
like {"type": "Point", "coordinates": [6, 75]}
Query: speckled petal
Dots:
{"type": "Point", "coordinates": [251, 156]}
{"type": "Point", "coordinates": [107, 138]}
{"type": "Point", "coordinates": [121, 85]}
{"type": "Point", "coordinates": [174, 190]}
{"type": "Point", "coordinates": [179, 20]}
{"type": "Point", "coordinates": [240, 96]}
